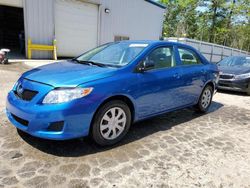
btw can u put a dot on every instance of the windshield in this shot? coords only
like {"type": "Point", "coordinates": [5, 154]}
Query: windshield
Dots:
{"type": "Point", "coordinates": [116, 54]}
{"type": "Point", "coordinates": [235, 61]}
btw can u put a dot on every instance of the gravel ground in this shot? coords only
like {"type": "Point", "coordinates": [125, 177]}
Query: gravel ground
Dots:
{"type": "Point", "coordinates": [178, 149]}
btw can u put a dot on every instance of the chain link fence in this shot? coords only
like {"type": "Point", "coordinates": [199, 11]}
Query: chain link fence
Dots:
{"type": "Point", "coordinates": [213, 52]}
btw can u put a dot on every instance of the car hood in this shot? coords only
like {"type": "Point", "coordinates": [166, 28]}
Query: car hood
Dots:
{"type": "Point", "coordinates": [236, 70]}
{"type": "Point", "coordinates": [67, 74]}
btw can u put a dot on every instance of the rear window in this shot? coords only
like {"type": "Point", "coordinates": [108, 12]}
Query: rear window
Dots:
{"type": "Point", "coordinates": [188, 57]}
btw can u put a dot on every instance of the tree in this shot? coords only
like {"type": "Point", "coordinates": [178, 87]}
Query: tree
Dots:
{"type": "Point", "coordinates": [223, 22]}
{"type": "Point", "coordinates": [180, 18]}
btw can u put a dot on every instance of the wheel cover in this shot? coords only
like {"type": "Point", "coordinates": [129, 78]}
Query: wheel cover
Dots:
{"type": "Point", "coordinates": [113, 123]}
{"type": "Point", "coordinates": [206, 98]}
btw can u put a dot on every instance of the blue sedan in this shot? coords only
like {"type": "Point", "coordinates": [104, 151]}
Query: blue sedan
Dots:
{"type": "Point", "coordinates": [102, 92]}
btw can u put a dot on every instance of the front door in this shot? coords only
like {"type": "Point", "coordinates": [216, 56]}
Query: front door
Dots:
{"type": "Point", "coordinates": [160, 87]}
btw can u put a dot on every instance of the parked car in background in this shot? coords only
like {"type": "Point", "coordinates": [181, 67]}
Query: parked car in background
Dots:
{"type": "Point", "coordinates": [103, 91]}
{"type": "Point", "coordinates": [235, 74]}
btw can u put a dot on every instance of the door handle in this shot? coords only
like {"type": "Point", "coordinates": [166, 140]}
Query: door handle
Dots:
{"type": "Point", "coordinates": [203, 71]}
{"type": "Point", "coordinates": [176, 75]}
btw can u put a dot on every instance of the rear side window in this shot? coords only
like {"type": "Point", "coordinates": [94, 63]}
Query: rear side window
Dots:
{"type": "Point", "coordinates": [162, 57]}
{"type": "Point", "coordinates": [188, 57]}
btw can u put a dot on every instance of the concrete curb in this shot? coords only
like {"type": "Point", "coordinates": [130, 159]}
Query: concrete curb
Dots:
{"type": "Point", "coordinates": [34, 63]}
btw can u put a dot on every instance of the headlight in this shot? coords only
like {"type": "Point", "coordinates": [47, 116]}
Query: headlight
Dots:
{"type": "Point", "coordinates": [15, 85]}
{"type": "Point", "coordinates": [242, 76]}
{"type": "Point", "coordinates": [62, 95]}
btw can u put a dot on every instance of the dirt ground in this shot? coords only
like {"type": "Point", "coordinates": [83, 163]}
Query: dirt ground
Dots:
{"type": "Point", "coordinates": [177, 149]}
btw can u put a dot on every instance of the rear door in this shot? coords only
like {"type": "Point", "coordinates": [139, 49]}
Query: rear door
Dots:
{"type": "Point", "coordinates": [193, 74]}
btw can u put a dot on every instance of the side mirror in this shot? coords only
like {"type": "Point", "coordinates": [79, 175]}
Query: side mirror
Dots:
{"type": "Point", "coordinates": [146, 65]}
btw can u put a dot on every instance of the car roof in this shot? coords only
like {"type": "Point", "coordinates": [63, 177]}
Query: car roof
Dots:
{"type": "Point", "coordinates": [156, 42]}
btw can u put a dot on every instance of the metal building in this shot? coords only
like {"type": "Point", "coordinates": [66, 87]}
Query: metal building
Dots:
{"type": "Point", "coordinates": [79, 25]}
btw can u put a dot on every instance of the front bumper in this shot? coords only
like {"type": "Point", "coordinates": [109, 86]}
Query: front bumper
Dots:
{"type": "Point", "coordinates": [36, 119]}
{"type": "Point", "coordinates": [234, 85]}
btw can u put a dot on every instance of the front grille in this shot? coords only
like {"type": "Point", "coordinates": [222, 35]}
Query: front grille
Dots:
{"type": "Point", "coordinates": [224, 85]}
{"type": "Point", "coordinates": [20, 120]}
{"type": "Point", "coordinates": [26, 94]}
{"type": "Point", "coordinates": [226, 76]}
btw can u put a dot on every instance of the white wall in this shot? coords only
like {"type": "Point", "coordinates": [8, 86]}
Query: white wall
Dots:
{"type": "Point", "coordinates": [39, 24]}
{"type": "Point", "coordinates": [137, 19]}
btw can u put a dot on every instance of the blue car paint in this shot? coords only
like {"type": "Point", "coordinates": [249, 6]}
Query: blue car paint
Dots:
{"type": "Point", "coordinates": [151, 93]}
{"type": "Point", "coordinates": [59, 74]}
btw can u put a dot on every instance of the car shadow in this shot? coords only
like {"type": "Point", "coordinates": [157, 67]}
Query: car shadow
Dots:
{"type": "Point", "coordinates": [139, 130]}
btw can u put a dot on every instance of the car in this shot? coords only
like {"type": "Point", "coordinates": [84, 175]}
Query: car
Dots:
{"type": "Point", "coordinates": [235, 74]}
{"type": "Point", "coordinates": [103, 91]}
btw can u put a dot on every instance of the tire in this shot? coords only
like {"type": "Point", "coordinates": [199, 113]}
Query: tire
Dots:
{"type": "Point", "coordinates": [6, 61]}
{"type": "Point", "coordinates": [205, 99]}
{"type": "Point", "coordinates": [111, 123]}
{"type": "Point", "coordinates": [248, 92]}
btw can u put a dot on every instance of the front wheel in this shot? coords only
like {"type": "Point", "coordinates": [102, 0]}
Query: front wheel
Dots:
{"type": "Point", "coordinates": [205, 99]}
{"type": "Point", "coordinates": [111, 123]}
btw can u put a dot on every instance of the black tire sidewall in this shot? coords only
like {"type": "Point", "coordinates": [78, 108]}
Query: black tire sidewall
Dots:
{"type": "Point", "coordinates": [6, 61]}
{"type": "Point", "coordinates": [200, 107]}
{"type": "Point", "coordinates": [95, 129]}
{"type": "Point", "coordinates": [248, 91]}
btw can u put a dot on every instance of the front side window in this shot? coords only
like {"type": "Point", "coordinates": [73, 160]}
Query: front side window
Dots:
{"type": "Point", "coordinates": [188, 57]}
{"type": "Point", "coordinates": [162, 57]}
{"type": "Point", "coordinates": [116, 54]}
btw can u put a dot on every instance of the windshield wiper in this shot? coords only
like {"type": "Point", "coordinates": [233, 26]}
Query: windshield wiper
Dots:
{"type": "Point", "coordinates": [89, 63]}
{"type": "Point", "coordinates": [95, 63]}
{"type": "Point", "coordinates": [75, 60]}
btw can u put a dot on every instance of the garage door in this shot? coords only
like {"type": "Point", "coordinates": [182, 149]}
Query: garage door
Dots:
{"type": "Point", "coordinates": [75, 27]}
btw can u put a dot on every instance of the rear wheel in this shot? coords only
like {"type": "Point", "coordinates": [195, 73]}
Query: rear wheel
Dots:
{"type": "Point", "coordinates": [205, 99]}
{"type": "Point", "coordinates": [111, 123]}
